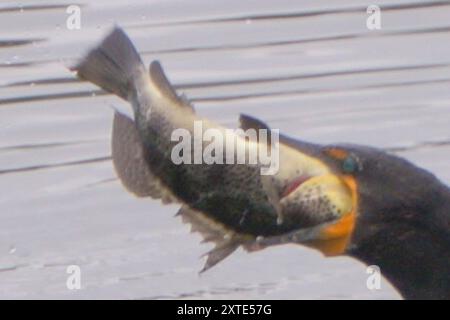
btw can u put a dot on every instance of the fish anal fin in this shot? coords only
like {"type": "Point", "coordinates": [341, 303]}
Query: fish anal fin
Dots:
{"type": "Point", "coordinates": [159, 78]}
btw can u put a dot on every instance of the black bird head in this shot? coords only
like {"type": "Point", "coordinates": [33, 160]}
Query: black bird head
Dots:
{"type": "Point", "coordinates": [401, 221]}
{"type": "Point", "coordinates": [400, 217]}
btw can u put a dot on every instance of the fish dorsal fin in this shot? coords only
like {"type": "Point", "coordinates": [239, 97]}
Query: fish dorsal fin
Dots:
{"type": "Point", "coordinates": [159, 78]}
{"type": "Point", "coordinates": [130, 164]}
{"type": "Point", "coordinates": [226, 240]}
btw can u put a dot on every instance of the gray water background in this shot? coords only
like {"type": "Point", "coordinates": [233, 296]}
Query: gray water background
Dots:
{"type": "Point", "coordinates": [310, 68]}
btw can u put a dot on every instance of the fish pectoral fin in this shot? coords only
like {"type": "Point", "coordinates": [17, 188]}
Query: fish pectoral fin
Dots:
{"type": "Point", "coordinates": [226, 241]}
{"type": "Point", "coordinates": [249, 122]}
{"type": "Point", "coordinates": [159, 78]}
{"type": "Point", "coordinates": [129, 161]}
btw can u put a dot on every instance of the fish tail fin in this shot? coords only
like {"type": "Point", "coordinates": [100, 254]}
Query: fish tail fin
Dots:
{"type": "Point", "coordinates": [112, 65]}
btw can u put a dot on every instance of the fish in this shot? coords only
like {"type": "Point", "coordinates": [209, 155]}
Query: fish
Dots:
{"type": "Point", "coordinates": [230, 204]}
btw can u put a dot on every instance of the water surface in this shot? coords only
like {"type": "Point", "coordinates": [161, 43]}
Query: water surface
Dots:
{"type": "Point", "coordinates": [310, 68]}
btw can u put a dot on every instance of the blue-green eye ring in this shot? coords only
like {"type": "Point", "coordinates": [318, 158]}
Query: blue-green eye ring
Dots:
{"type": "Point", "coordinates": [349, 165]}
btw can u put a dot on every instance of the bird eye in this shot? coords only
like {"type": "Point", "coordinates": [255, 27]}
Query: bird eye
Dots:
{"type": "Point", "coordinates": [349, 165]}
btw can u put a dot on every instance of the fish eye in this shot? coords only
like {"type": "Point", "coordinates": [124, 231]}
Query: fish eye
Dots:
{"type": "Point", "coordinates": [349, 165]}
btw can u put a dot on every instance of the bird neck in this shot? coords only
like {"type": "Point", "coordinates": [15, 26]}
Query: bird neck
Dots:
{"type": "Point", "coordinates": [411, 246]}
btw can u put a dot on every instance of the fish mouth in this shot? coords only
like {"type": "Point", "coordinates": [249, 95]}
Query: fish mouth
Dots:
{"type": "Point", "coordinates": [323, 207]}
{"type": "Point", "coordinates": [309, 200]}
{"type": "Point", "coordinates": [294, 184]}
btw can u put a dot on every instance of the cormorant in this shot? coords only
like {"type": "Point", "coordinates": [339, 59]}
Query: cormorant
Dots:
{"type": "Point", "coordinates": [341, 199]}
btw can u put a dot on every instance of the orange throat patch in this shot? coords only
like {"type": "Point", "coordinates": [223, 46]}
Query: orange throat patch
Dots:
{"type": "Point", "coordinates": [334, 239]}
